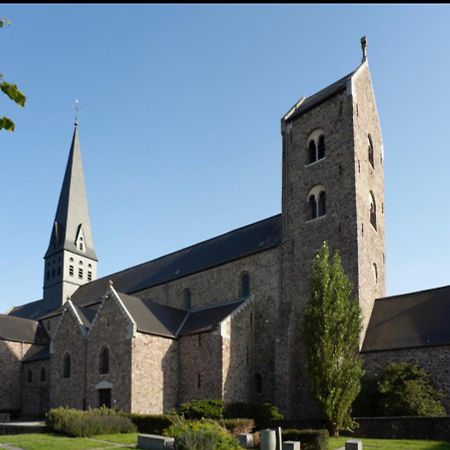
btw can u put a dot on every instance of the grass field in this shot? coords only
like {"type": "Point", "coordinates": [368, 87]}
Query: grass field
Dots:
{"type": "Point", "coordinates": [57, 442]}
{"type": "Point", "coordinates": [46, 441]}
{"type": "Point", "coordinates": [390, 444]}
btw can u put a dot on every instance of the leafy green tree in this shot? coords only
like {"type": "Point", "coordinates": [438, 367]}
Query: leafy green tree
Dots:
{"type": "Point", "coordinates": [12, 91]}
{"type": "Point", "coordinates": [406, 390]}
{"type": "Point", "coordinates": [330, 331]}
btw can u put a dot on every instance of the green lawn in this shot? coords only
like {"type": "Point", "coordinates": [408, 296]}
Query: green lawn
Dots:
{"type": "Point", "coordinates": [56, 442]}
{"type": "Point", "coordinates": [37, 441]}
{"type": "Point", "coordinates": [388, 444]}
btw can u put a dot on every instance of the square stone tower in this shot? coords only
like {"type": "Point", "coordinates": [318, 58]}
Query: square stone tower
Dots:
{"type": "Point", "coordinates": [333, 190]}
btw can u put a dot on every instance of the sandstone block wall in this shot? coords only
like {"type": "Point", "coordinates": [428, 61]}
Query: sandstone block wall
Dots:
{"type": "Point", "coordinates": [69, 339]}
{"type": "Point", "coordinates": [200, 366]}
{"type": "Point", "coordinates": [35, 391]}
{"type": "Point", "coordinates": [154, 374]}
{"type": "Point", "coordinates": [111, 330]}
{"type": "Point", "coordinates": [11, 354]}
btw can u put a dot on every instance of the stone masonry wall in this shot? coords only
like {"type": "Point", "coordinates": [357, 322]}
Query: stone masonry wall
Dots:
{"type": "Point", "coordinates": [111, 329]}
{"type": "Point", "coordinates": [221, 284]}
{"type": "Point", "coordinates": [69, 339]}
{"type": "Point", "coordinates": [154, 374]}
{"type": "Point", "coordinates": [368, 180]}
{"type": "Point", "coordinates": [11, 354]}
{"type": "Point", "coordinates": [35, 390]}
{"type": "Point", "coordinates": [239, 359]}
{"type": "Point", "coordinates": [200, 366]}
{"type": "Point", "coordinates": [435, 360]}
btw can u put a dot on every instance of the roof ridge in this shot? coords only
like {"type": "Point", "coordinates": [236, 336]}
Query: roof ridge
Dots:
{"type": "Point", "coordinates": [390, 297]}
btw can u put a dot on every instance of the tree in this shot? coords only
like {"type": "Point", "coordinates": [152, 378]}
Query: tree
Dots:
{"type": "Point", "coordinates": [12, 91]}
{"type": "Point", "coordinates": [405, 390]}
{"type": "Point", "coordinates": [330, 331]}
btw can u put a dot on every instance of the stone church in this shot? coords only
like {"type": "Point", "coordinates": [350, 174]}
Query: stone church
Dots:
{"type": "Point", "coordinates": [219, 319]}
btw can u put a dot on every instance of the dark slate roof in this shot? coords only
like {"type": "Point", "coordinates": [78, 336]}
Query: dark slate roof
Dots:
{"type": "Point", "coordinates": [163, 320]}
{"type": "Point", "coordinates": [206, 319]}
{"type": "Point", "coordinates": [418, 319]}
{"type": "Point", "coordinates": [38, 356]}
{"type": "Point", "coordinates": [32, 310]}
{"type": "Point", "coordinates": [319, 97]}
{"type": "Point", "coordinates": [22, 330]}
{"type": "Point", "coordinates": [225, 248]}
{"type": "Point", "coordinates": [152, 317]}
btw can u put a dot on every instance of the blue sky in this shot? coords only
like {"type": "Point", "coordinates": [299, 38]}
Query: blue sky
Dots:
{"type": "Point", "coordinates": [180, 124]}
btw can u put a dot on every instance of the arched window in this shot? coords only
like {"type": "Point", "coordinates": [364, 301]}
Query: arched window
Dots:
{"type": "Point", "coordinates": [373, 211]}
{"type": "Point", "coordinates": [187, 300]}
{"type": "Point", "coordinates": [66, 366]}
{"type": "Point", "coordinates": [312, 207]}
{"type": "Point", "coordinates": [43, 375]}
{"type": "Point", "coordinates": [244, 285]}
{"type": "Point", "coordinates": [317, 202]}
{"type": "Point", "coordinates": [322, 205]}
{"type": "Point", "coordinates": [258, 383]}
{"type": "Point", "coordinates": [104, 361]}
{"type": "Point", "coordinates": [315, 146]}
{"type": "Point", "coordinates": [29, 376]}
{"type": "Point", "coordinates": [370, 151]}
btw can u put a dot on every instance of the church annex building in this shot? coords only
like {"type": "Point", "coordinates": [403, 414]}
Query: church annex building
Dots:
{"type": "Point", "coordinates": [220, 319]}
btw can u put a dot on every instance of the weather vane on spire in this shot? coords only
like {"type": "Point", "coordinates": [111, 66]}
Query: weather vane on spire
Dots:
{"type": "Point", "coordinates": [364, 46]}
{"type": "Point", "coordinates": [76, 107]}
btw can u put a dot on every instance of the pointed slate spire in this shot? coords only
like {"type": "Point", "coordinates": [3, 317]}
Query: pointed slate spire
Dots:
{"type": "Point", "coordinates": [72, 216]}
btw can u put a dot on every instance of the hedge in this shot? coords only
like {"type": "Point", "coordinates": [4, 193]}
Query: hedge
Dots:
{"type": "Point", "coordinates": [150, 423]}
{"type": "Point", "coordinates": [236, 426]}
{"type": "Point", "coordinates": [310, 439]}
{"type": "Point", "coordinates": [77, 423]}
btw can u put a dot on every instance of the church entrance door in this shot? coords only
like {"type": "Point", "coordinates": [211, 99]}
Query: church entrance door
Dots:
{"type": "Point", "coordinates": [104, 397]}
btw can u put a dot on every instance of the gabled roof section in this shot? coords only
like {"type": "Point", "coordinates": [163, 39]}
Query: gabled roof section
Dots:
{"type": "Point", "coordinates": [72, 210]}
{"type": "Point", "coordinates": [33, 310]}
{"type": "Point", "coordinates": [153, 318]}
{"type": "Point", "coordinates": [418, 319]}
{"type": "Point", "coordinates": [206, 319]}
{"type": "Point", "coordinates": [38, 356]}
{"type": "Point", "coordinates": [22, 330]}
{"type": "Point", "coordinates": [236, 244]}
{"type": "Point", "coordinates": [316, 99]}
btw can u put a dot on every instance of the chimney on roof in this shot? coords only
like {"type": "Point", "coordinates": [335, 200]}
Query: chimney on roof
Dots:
{"type": "Point", "coordinates": [364, 48]}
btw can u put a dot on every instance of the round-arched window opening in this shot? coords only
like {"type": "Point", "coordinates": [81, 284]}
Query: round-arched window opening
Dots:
{"type": "Point", "coordinates": [315, 146]}
{"type": "Point", "coordinates": [317, 206]}
{"type": "Point", "coordinates": [67, 366]}
{"type": "Point", "coordinates": [373, 210]}
{"type": "Point", "coordinates": [104, 361]}
{"type": "Point", "coordinates": [370, 151]}
{"type": "Point", "coordinates": [187, 299]}
{"type": "Point", "coordinates": [244, 285]}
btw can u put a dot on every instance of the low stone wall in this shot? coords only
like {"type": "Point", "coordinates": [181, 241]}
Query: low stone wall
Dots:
{"type": "Point", "coordinates": [435, 428]}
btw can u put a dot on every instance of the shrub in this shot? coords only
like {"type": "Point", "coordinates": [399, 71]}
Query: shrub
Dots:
{"type": "Point", "coordinates": [406, 390]}
{"type": "Point", "coordinates": [401, 389]}
{"type": "Point", "coordinates": [150, 423]}
{"type": "Point", "coordinates": [264, 414]}
{"type": "Point", "coordinates": [236, 426]}
{"type": "Point", "coordinates": [200, 435]}
{"type": "Point", "coordinates": [310, 439]}
{"type": "Point", "coordinates": [77, 423]}
{"type": "Point", "coordinates": [198, 409]}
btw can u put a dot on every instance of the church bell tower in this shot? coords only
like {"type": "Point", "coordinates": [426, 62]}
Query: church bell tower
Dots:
{"type": "Point", "coordinates": [333, 190]}
{"type": "Point", "coordinates": [70, 260]}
